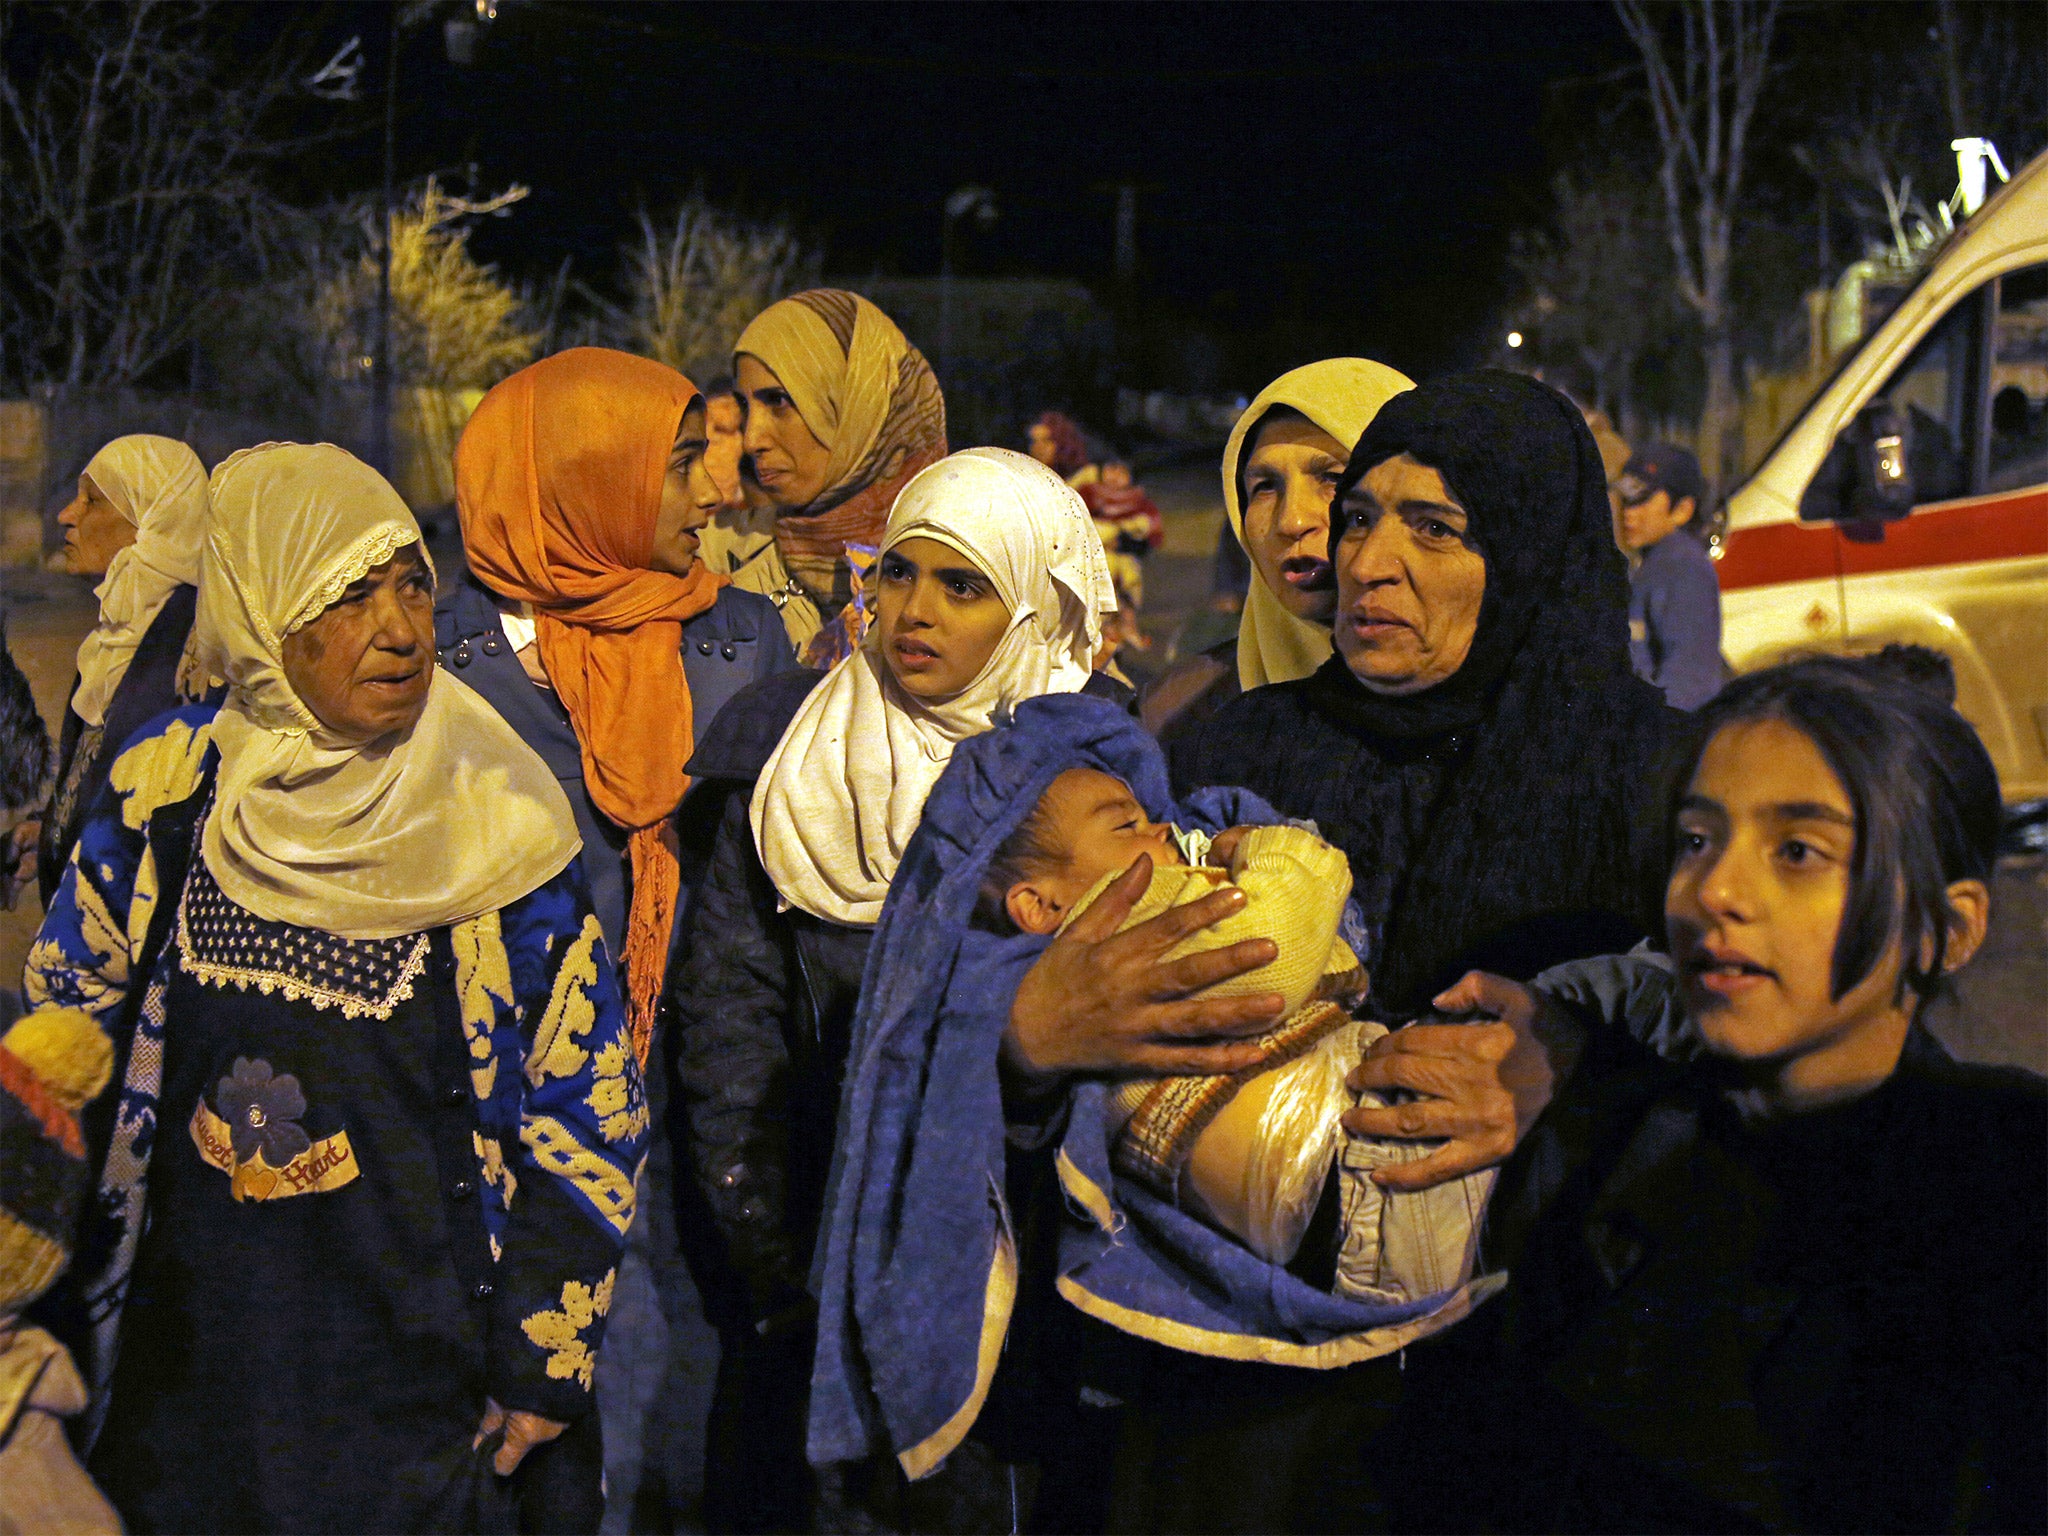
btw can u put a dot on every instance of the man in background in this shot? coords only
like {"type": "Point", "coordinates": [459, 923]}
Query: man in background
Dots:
{"type": "Point", "coordinates": [1674, 610]}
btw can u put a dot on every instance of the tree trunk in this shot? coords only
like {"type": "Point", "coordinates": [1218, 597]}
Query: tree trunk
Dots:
{"type": "Point", "coordinates": [1720, 420]}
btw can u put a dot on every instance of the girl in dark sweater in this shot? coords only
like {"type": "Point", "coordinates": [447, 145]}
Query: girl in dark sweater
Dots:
{"type": "Point", "coordinates": [1795, 1281]}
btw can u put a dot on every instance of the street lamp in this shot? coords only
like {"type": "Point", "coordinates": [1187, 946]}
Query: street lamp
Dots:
{"type": "Point", "coordinates": [1514, 340]}
{"type": "Point", "coordinates": [980, 204]}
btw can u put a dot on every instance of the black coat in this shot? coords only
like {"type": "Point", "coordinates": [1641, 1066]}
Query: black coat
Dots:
{"type": "Point", "coordinates": [1834, 1323]}
{"type": "Point", "coordinates": [1556, 870]}
{"type": "Point", "coordinates": [759, 1008]}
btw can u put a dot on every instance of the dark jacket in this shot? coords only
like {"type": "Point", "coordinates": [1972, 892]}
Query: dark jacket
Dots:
{"type": "Point", "coordinates": [737, 641]}
{"type": "Point", "coordinates": [1674, 621]}
{"type": "Point", "coordinates": [760, 1005]}
{"type": "Point", "coordinates": [1187, 695]}
{"type": "Point", "coordinates": [85, 752]}
{"type": "Point", "coordinates": [1834, 1322]}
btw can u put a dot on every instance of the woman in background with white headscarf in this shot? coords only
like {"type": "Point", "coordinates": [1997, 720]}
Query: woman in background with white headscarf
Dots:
{"type": "Point", "coordinates": [1281, 464]}
{"type": "Point", "coordinates": [991, 588]}
{"type": "Point", "coordinates": [337, 935]}
{"type": "Point", "coordinates": [139, 520]}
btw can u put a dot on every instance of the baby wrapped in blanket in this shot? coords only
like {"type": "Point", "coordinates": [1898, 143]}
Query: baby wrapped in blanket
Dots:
{"type": "Point", "coordinates": [1177, 1214]}
{"type": "Point", "coordinates": [1253, 1152]}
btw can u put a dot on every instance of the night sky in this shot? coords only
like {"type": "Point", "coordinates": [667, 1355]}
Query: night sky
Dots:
{"type": "Point", "coordinates": [1314, 177]}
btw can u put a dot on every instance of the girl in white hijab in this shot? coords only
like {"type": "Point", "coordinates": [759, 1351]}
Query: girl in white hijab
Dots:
{"type": "Point", "coordinates": [808, 836]}
{"type": "Point", "coordinates": [844, 790]}
{"type": "Point", "coordinates": [140, 520]}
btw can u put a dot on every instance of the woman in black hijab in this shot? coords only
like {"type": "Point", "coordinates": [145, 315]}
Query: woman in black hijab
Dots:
{"type": "Point", "coordinates": [1488, 803]}
{"type": "Point", "coordinates": [1481, 749]}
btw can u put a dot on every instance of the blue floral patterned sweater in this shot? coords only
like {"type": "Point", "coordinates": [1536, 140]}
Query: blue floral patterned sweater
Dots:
{"type": "Point", "coordinates": [561, 1118]}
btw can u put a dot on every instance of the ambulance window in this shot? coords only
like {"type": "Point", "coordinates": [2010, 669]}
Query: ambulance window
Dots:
{"type": "Point", "coordinates": [1933, 384]}
{"type": "Point", "coordinates": [2019, 382]}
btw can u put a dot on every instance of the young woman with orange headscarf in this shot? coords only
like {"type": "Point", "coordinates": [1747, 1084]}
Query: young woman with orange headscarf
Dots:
{"type": "Point", "coordinates": [589, 623]}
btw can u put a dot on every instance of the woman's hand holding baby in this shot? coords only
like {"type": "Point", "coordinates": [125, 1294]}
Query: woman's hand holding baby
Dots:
{"type": "Point", "coordinates": [1102, 1001]}
{"type": "Point", "coordinates": [1478, 1087]}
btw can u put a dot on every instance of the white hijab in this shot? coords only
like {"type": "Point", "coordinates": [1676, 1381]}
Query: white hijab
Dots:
{"type": "Point", "coordinates": [452, 819]}
{"type": "Point", "coordinates": [159, 486]}
{"type": "Point", "coordinates": [845, 789]}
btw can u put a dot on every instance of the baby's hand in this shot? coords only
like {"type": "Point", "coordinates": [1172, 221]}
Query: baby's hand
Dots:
{"type": "Point", "coordinates": [1223, 847]}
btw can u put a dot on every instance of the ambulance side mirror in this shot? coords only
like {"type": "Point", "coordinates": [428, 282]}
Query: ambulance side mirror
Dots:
{"type": "Point", "coordinates": [1867, 476]}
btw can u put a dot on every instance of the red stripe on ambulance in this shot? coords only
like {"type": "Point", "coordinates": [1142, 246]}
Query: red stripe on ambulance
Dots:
{"type": "Point", "coordinates": [2005, 526]}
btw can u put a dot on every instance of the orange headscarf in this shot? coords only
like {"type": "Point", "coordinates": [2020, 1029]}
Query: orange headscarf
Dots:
{"type": "Point", "coordinates": [558, 481]}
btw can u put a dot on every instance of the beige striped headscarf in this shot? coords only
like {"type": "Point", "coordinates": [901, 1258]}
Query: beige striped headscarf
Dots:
{"type": "Point", "coordinates": [869, 396]}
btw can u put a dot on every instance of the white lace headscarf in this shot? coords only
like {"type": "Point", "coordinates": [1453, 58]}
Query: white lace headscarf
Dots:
{"type": "Point", "coordinates": [845, 789]}
{"type": "Point", "coordinates": [159, 486]}
{"type": "Point", "coordinates": [451, 819]}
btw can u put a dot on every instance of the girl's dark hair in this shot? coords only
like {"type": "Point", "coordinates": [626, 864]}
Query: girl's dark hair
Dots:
{"type": "Point", "coordinates": [1925, 796]}
{"type": "Point", "coordinates": [1026, 852]}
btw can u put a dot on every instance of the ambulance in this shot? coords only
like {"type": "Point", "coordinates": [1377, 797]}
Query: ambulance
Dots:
{"type": "Point", "coordinates": [1909, 501]}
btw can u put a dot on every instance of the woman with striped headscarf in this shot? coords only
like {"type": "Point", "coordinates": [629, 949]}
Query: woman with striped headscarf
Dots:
{"type": "Point", "coordinates": [841, 411]}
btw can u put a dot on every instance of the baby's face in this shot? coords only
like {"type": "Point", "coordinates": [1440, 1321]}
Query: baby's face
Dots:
{"type": "Point", "coordinates": [1094, 826]}
{"type": "Point", "coordinates": [1116, 475]}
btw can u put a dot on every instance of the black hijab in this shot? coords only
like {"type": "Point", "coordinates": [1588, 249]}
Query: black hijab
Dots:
{"type": "Point", "coordinates": [1492, 820]}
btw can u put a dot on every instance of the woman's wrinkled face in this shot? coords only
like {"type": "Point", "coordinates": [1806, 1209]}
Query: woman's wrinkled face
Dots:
{"type": "Point", "coordinates": [941, 618]}
{"type": "Point", "coordinates": [94, 532]}
{"type": "Point", "coordinates": [363, 665]}
{"type": "Point", "coordinates": [788, 461]}
{"type": "Point", "coordinates": [689, 497]}
{"type": "Point", "coordinates": [1410, 579]}
{"type": "Point", "coordinates": [1290, 475]}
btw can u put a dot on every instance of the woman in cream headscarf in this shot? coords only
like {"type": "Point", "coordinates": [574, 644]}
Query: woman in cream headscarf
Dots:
{"type": "Point", "coordinates": [841, 411]}
{"type": "Point", "coordinates": [139, 520]}
{"type": "Point", "coordinates": [335, 929]}
{"type": "Point", "coordinates": [991, 588]}
{"type": "Point", "coordinates": [1280, 466]}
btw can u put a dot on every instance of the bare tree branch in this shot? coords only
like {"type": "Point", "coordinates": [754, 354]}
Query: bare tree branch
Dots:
{"type": "Point", "coordinates": [1703, 106]}
{"type": "Point", "coordinates": [691, 287]}
{"type": "Point", "coordinates": [132, 194]}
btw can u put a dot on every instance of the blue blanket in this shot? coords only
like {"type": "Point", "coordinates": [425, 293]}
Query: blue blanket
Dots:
{"type": "Point", "coordinates": [916, 1274]}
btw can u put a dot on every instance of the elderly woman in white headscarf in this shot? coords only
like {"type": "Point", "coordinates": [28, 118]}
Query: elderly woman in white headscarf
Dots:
{"type": "Point", "coordinates": [991, 588]}
{"type": "Point", "coordinates": [139, 521]}
{"type": "Point", "coordinates": [337, 935]}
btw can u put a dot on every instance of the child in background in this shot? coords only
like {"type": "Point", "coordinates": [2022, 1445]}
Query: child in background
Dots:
{"type": "Point", "coordinates": [52, 1064]}
{"type": "Point", "coordinates": [1130, 526]}
{"type": "Point", "coordinates": [1249, 1153]}
{"type": "Point", "coordinates": [1674, 606]}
